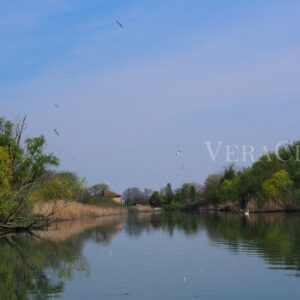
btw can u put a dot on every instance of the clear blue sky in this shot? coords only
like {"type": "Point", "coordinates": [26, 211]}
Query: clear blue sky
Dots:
{"type": "Point", "coordinates": [177, 74]}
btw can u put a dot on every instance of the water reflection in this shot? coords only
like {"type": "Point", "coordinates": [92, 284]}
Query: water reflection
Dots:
{"type": "Point", "coordinates": [274, 237]}
{"type": "Point", "coordinates": [33, 266]}
{"type": "Point", "coordinates": [26, 261]}
{"type": "Point", "coordinates": [39, 265]}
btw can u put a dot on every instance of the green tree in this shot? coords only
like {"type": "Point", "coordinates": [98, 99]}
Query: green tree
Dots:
{"type": "Point", "coordinates": [168, 194]}
{"type": "Point", "coordinates": [211, 188]}
{"type": "Point", "coordinates": [278, 186]}
{"type": "Point", "coordinates": [28, 162]}
{"type": "Point", "coordinates": [229, 189]}
{"type": "Point", "coordinates": [188, 193]}
{"type": "Point", "coordinates": [290, 156]}
{"type": "Point", "coordinates": [58, 186]}
{"type": "Point", "coordinates": [4, 172]}
{"type": "Point", "coordinates": [99, 189]}
{"type": "Point", "coordinates": [156, 199]}
{"type": "Point", "coordinates": [228, 173]}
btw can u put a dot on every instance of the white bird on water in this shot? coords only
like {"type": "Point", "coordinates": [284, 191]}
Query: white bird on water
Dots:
{"type": "Point", "coordinates": [245, 212]}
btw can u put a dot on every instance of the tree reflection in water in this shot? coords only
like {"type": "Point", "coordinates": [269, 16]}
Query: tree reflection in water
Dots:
{"type": "Point", "coordinates": [274, 237]}
{"type": "Point", "coordinates": [34, 267]}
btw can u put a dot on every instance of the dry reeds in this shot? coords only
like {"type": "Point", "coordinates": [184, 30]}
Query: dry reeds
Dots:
{"type": "Point", "coordinates": [62, 210]}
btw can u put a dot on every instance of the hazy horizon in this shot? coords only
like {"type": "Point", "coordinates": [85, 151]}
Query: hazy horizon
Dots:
{"type": "Point", "coordinates": [177, 74]}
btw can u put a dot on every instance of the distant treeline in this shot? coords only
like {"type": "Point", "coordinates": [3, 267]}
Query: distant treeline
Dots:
{"type": "Point", "coordinates": [272, 182]}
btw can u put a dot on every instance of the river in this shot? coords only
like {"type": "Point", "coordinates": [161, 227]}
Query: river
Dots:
{"type": "Point", "coordinates": [156, 256]}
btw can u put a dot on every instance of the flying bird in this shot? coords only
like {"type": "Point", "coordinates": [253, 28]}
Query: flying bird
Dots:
{"type": "Point", "coordinates": [119, 24]}
{"type": "Point", "coordinates": [178, 152]}
{"type": "Point", "coordinates": [57, 106]}
{"type": "Point", "coordinates": [56, 132]}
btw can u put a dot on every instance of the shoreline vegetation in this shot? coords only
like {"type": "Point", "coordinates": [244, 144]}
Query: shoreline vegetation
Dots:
{"type": "Point", "coordinates": [270, 184]}
{"type": "Point", "coordinates": [30, 187]}
{"type": "Point", "coordinates": [235, 210]}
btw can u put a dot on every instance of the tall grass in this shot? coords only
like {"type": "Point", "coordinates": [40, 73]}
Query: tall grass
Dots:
{"type": "Point", "coordinates": [75, 210]}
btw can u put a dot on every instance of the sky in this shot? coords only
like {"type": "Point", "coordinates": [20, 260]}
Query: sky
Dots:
{"type": "Point", "coordinates": [176, 75]}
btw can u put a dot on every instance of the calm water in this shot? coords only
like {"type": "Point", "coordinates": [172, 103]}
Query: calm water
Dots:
{"type": "Point", "coordinates": [163, 256]}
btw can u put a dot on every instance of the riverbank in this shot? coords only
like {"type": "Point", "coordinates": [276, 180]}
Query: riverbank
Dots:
{"type": "Point", "coordinates": [252, 207]}
{"type": "Point", "coordinates": [63, 211]}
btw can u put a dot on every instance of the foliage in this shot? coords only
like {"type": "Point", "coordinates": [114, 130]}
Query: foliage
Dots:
{"type": "Point", "coordinates": [5, 176]}
{"type": "Point", "coordinates": [187, 195]}
{"type": "Point", "coordinates": [156, 199]}
{"type": "Point", "coordinates": [229, 189]}
{"type": "Point", "coordinates": [23, 164]}
{"type": "Point", "coordinates": [134, 195]}
{"type": "Point", "coordinates": [168, 194]}
{"type": "Point", "coordinates": [96, 195]}
{"type": "Point", "coordinates": [190, 193]}
{"type": "Point", "coordinates": [229, 173]}
{"type": "Point", "coordinates": [54, 186]}
{"type": "Point", "coordinates": [290, 153]}
{"type": "Point", "coordinates": [274, 177]}
{"type": "Point", "coordinates": [211, 188]}
{"type": "Point", "coordinates": [98, 190]}
{"type": "Point", "coordinates": [278, 185]}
